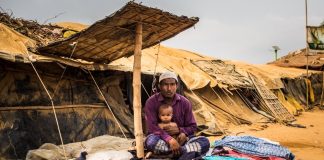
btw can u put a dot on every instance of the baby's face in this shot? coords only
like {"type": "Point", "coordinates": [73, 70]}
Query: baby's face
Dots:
{"type": "Point", "coordinates": [165, 115]}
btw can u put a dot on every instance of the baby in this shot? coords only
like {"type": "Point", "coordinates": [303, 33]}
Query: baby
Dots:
{"type": "Point", "coordinates": [165, 116]}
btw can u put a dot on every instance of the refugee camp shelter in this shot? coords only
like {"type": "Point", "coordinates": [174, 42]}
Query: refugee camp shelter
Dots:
{"type": "Point", "coordinates": [221, 92]}
{"type": "Point", "coordinates": [219, 107]}
{"type": "Point", "coordinates": [297, 59]}
{"type": "Point", "coordinates": [215, 87]}
{"type": "Point", "coordinates": [64, 77]}
{"type": "Point", "coordinates": [297, 87]}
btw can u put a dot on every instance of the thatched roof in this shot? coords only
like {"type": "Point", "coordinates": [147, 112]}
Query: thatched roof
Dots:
{"type": "Point", "coordinates": [114, 37]}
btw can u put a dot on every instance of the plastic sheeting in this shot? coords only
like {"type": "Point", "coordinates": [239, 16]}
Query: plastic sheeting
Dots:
{"type": "Point", "coordinates": [206, 120]}
{"type": "Point", "coordinates": [14, 42]}
{"type": "Point", "coordinates": [229, 106]}
{"type": "Point", "coordinates": [224, 74]}
{"type": "Point", "coordinates": [23, 130]}
{"type": "Point", "coordinates": [216, 112]}
{"type": "Point", "coordinates": [169, 59]}
{"type": "Point", "coordinates": [101, 147]}
{"type": "Point", "coordinates": [27, 119]}
{"type": "Point", "coordinates": [288, 102]}
{"type": "Point", "coordinates": [297, 59]}
{"type": "Point", "coordinates": [297, 88]}
{"type": "Point", "coordinates": [270, 74]}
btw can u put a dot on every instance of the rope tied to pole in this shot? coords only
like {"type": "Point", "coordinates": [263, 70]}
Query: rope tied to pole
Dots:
{"type": "Point", "coordinates": [51, 97]}
{"type": "Point", "coordinates": [74, 47]}
{"type": "Point", "coordinates": [154, 90]}
{"type": "Point", "coordinates": [52, 103]}
{"type": "Point", "coordinates": [106, 102]}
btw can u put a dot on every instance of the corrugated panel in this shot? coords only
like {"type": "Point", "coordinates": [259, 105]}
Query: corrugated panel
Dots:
{"type": "Point", "coordinates": [114, 37]}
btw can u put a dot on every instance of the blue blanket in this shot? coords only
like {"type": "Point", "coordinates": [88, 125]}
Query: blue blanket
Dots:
{"type": "Point", "coordinates": [254, 146]}
{"type": "Point", "coordinates": [222, 158]}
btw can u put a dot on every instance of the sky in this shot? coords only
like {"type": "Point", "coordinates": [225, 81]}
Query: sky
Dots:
{"type": "Point", "coordinates": [243, 30]}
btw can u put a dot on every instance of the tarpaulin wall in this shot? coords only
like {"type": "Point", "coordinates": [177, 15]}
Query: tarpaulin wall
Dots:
{"type": "Point", "coordinates": [27, 119]}
{"type": "Point", "coordinates": [297, 88]}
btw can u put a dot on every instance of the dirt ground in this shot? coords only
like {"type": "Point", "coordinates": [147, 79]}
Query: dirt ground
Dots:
{"type": "Point", "coordinates": [305, 143]}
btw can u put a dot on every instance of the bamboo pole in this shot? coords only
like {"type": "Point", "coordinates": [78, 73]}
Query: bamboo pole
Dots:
{"type": "Point", "coordinates": [137, 105]}
{"type": "Point", "coordinates": [321, 102]}
{"type": "Point", "coordinates": [49, 108]}
{"type": "Point", "coordinates": [306, 50]}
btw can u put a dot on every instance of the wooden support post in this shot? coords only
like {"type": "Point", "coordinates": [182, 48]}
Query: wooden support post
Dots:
{"type": "Point", "coordinates": [137, 105]}
{"type": "Point", "coordinates": [321, 102]}
{"type": "Point", "coordinates": [306, 50]}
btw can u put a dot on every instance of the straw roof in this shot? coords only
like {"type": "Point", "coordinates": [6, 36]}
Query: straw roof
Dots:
{"type": "Point", "coordinates": [114, 37]}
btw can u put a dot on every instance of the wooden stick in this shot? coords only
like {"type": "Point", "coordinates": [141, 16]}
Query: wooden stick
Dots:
{"type": "Point", "coordinates": [306, 50]}
{"type": "Point", "coordinates": [49, 107]}
{"type": "Point", "coordinates": [137, 105]}
{"type": "Point", "coordinates": [321, 102]}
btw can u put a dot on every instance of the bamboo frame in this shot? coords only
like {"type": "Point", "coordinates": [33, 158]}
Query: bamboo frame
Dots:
{"type": "Point", "coordinates": [49, 107]}
{"type": "Point", "coordinates": [137, 105]}
{"type": "Point", "coordinates": [322, 94]}
{"type": "Point", "coordinates": [111, 33]}
{"type": "Point", "coordinates": [306, 50]}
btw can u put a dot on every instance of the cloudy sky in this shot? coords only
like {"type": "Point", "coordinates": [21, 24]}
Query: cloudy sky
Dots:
{"type": "Point", "coordinates": [242, 30]}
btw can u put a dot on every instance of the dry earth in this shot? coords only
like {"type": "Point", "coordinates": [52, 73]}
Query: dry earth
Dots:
{"type": "Point", "coordinates": [305, 143]}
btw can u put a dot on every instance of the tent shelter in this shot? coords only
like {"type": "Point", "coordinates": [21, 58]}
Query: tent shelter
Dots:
{"type": "Point", "coordinates": [116, 36]}
{"type": "Point", "coordinates": [312, 84]}
{"type": "Point", "coordinates": [230, 76]}
{"type": "Point", "coordinates": [221, 92]}
{"type": "Point", "coordinates": [297, 59]}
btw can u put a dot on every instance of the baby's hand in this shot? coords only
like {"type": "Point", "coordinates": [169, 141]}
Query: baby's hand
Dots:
{"type": "Point", "coordinates": [182, 138]}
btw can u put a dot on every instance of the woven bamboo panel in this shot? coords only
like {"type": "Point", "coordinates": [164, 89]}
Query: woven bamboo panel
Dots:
{"type": "Point", "coordinates": [273, 105]}
{"type": "Point", "coordinates": [114, 36]}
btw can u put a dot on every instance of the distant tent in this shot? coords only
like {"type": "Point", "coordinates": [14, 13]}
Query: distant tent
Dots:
{"type": "Point", "coordinates": [297, 59]}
